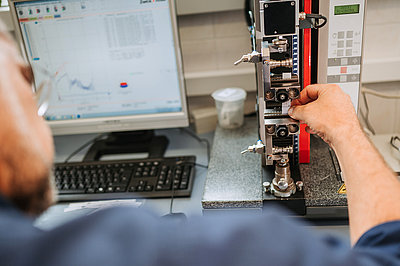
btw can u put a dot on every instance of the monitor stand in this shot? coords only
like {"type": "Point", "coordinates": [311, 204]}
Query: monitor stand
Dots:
{"type": "Point", "coordinates": [126, 143]}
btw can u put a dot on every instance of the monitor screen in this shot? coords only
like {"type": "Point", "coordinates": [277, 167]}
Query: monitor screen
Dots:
{"type": "Point", "coordinates": [115, 65]}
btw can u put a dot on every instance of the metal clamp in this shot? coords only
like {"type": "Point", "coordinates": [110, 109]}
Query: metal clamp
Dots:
{"type": "Point", "coordinates": [253, 57]}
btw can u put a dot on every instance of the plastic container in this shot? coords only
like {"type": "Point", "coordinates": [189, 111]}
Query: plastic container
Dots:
{"type": "Point", "coordinates": [230, 106]}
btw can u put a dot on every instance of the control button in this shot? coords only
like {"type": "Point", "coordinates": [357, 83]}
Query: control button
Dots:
{"type": "Point", "coordinates": [340, 53]}
{"type": "Point", "coordinates": [344, 61]}
{"type": "Point", "coordinates": [341, 35]}
{"type": "Point", "coordinates": [349, 34]}
{"type": "Point", "coordinates": [349, 52]}
{"type": "Point", "coordinates": [333, 79]}
{"type": "Point", "coordinates": [343, 70]}
{"type": "Point", "coordinates": [340, 44]}
{"type": "Point", "coordinates": [355, 60]}
{"type": "Point", "coordinates": [354, 77]}
{"type": "Point", "coordinates": [334, 62]}
{"type": "Point", "coordinates": [343, 78]}
{"type": "Point", "coordinates": [349, 43]}
{"type": "Point", "coordinates": [334, 36]}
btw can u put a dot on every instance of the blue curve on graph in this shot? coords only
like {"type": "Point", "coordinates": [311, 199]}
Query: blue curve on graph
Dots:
{"type": "Point", "coordinates": [77, 82]}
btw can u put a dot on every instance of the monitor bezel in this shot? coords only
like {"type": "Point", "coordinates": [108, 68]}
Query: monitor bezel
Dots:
{"type": "Point", "coordinates": [119, 123]}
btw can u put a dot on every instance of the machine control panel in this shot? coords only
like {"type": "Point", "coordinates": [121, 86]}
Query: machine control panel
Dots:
{"type": "Point", "coordinates": [345, 41]}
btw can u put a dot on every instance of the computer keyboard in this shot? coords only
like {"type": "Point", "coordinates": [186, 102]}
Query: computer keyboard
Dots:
{"type": "Point", "coordinates": [144, 178]}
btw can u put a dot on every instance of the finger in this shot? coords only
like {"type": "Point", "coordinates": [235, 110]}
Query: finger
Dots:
{"type": "Point", "coordinates": [309, 94]}
{"type": "Point", "coordinates": [310, 130]}
{"type": "Point", "coordinates": [297, 112]}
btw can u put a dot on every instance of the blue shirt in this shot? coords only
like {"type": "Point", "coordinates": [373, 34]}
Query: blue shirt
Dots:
{"type": "Point", "coordinates": [127, 236]}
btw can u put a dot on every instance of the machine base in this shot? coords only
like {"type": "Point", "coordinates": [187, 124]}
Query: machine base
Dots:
{"type": "Point", "coordinates": [295, 203]}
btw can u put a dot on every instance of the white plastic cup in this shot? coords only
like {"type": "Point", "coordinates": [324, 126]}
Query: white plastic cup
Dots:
{"type": "Point", "coordinates": [230, 106]}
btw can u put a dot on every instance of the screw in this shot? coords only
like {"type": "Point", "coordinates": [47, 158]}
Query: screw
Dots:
{"type": "Point", "coordinates": [270, 129]}
{"type": "Point", "coordinates": [269, 95]}
{"type": "Point", "coordinates": [299, 185]}
{"type": "Point", "coordinates": [292, 3]}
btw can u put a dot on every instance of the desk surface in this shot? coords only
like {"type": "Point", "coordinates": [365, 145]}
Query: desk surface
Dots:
{"type": "Point", "coordinates": [180, 144]}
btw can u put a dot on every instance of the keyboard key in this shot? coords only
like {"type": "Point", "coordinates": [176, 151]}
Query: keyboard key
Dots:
{"type": "Point", "coordinates": [148, 188]}
{"type": "Point", "coordinates": [183, 185]}
{"type": "Point", "coordinates": [70, 191]}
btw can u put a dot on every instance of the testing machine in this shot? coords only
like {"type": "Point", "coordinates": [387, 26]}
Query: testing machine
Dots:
{"type": "Point", "coordinates": [295, 43]}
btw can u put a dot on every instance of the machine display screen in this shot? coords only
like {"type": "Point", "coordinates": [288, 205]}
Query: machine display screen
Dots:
{"type": "Point", "coordinates": [347, 9]}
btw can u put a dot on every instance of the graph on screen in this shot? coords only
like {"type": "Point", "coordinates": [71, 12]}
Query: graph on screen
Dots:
{"type": "Point", "coordinates": [110, 57]}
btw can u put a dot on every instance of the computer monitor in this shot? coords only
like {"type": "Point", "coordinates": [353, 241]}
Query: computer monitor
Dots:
{"type": "Point", "coordinates": [116, 64]}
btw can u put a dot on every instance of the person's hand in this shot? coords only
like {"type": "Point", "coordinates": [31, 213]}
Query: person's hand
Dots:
{"type": "Point", "coordinates": [327, 111]}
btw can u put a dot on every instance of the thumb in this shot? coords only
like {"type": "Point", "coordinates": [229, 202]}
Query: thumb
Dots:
{"type": "Point", "coordinates": [297, 112]}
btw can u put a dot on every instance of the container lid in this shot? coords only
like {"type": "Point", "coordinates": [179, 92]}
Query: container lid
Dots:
{"type": "Point", "coordinates": [229, 95]}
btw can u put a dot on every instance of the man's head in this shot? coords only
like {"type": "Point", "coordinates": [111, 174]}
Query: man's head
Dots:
{"type": "Point", "coordinates": [26, 147]}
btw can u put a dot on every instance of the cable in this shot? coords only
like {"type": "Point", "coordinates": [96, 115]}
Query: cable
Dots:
{"type": "Point", "coordinates": [84, 146]}
{"type": "Point", "coordinates": [364, 92]}
{"type": "Point", "coordinates": [171, 204]}
{"type": "Point", "coordinates": [380, 94]}
{"type": "Point", "coordinates": [317, 17]}
{"type": "Point", "coordinates": [193, 135]}
{"type": "Point", "coordinates": [366, 116]}
{"type": "Point", "coordinates": [201, 165]}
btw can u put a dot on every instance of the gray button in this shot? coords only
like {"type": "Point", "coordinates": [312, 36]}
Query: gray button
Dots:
{"type": "Point", "coordinates": [349, 52]}
{"type": "Point", "coordinates": [349, 43]}
{"type": "Point", "coordinates": [341, 35]}
{"type": "Point", "coordinates": [334, 62]}
{"type": "Point", "coordinates": [343, 79]}
{"type": "Point", "coordinates": [340, 53]}
{"type": "Point", "coordinates": [354, 60]}
{"type": "Point", "coordinates": [353, 78]}
{"type": "Point", "coordinates": [333, 79]}
{"type": "Point", "coordinates": [344, 61]}
{"type": "Point", "coordinates": [349, 34]}
{"type": "Point", "coordinates": [340, 44]}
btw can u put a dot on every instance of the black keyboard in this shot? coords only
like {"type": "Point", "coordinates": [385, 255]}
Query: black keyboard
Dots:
{"type": "Point", "coordinates": [144, 178]}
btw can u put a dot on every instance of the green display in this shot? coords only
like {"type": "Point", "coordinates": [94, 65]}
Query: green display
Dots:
{"type": "Point", "coordinates": [347, 9]}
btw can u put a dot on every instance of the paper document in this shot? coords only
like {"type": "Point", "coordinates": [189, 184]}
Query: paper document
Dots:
{"type": "Point", "coordinates": [103, 204]}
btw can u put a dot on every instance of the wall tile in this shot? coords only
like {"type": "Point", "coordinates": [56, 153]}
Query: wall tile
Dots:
{"type": "Point", "coordinates": [196, 27]}
{"type": "Point", "coordinates": [229, 50]}
{"type": "Point", "coordinates": [230, 24]}
{"type": "Point", "coordinates": [382, 12]}
{"type": "Point", "coordinates": [382, 41]}
{"type": "Point", "coordinates": [199, 55]}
